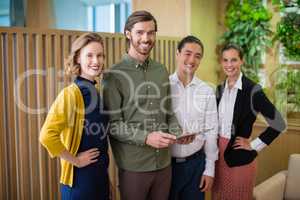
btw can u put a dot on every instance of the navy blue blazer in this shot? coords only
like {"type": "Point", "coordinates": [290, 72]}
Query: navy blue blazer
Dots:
{"type": "Point", "coordinates": [250, 101]}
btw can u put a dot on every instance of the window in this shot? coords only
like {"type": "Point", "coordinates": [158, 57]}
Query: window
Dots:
{"type": "Point", "coordinates": [4, 13]}
{"type": "Point", "coordinates": [108, 17]}
{"type": "Point", "coordinates": [91, 15]}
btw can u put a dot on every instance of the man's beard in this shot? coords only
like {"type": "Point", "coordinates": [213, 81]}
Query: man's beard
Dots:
{"type": "Point", "coordinates": [140, 50]}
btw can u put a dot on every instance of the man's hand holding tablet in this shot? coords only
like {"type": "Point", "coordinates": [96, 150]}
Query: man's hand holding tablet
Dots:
{"type": "Point", "coordinates": [186, 138]}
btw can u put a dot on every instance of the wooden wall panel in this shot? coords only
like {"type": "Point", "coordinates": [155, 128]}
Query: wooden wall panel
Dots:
{"type": "Point", "coordinates": [3, 108]}
{"type": "Point", "coordinates": [275, 157]}
{"type": "Point", "coordinates": [31, 72]}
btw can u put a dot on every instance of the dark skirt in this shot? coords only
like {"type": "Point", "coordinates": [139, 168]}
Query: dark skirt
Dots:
{"type": "Point", "coordinates": [89, 182]}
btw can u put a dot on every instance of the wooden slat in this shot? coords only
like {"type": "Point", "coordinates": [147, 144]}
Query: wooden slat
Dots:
{"type": "Point", "coordinates": [41, 104]}
{"type": "Point", "coordinates": [167, 55]}
{"type": "Point", "coordinates": [10, 116]}
{"type": "Point", "coordinates": [109, 51]}
{"type": "Point", "coordinates": [2, 107]}
{"type": "Point", "coordinates": [66, 51]}
{"type": "Point", "coordinates": [162, 53]}
{"type": "Point", "coordinates": [164, 56]}
{"type": "Point", "coordinates": [50, 82]}
{"type": "Point", "coordinates": [113, 50]}
{"type": "Point", "coordinates": [152, 53]}
{"type": "Point", "coordinates": [123, 46]}
{"type": "Point", "coordinates": [173, 49]}
{"type": "Point", "coordinates": [32, 115]}
{"type": "Point", "coordinates": [4, 156]}
{"type": "Point", "coordinates": [58, 64]}
{"type": "Point", "coordinates": [22, 137]}
{"type": "Point", "coordinates": [157, 50]}
{"type": "Point", "coordinates": [119, 52]}
{"type": "Point", "coordinates": [3, 145]}
{"type": "Point", "coordinates": [171, 57]}
{"type": "Point", "coordinates": [72, 38]}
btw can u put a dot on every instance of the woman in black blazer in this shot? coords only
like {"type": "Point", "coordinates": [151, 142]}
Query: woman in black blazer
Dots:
{"type": "Point", "coordinates": [239, 101]}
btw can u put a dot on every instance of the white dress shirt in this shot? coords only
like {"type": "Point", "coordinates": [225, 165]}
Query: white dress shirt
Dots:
{"type": "Point", "coordinates": [226, 109]}
{"type": "Point", "coordinates": [196, 111]}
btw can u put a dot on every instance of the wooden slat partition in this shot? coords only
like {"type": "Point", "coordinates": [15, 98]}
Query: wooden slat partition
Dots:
{"type": "Point", "coordinates": [31, 72]}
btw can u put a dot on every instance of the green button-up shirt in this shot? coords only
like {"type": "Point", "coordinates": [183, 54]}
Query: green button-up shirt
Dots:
{"type": "Point", "coordinates": [138, 99]}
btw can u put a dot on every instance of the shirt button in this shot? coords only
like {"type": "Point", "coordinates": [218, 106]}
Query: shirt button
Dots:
{"type": "Point", "coordinates": [149, 87]}
{"type": "Point", "coordinates": [157, 151]}
{"type": "Point", "coordinates": [150, 103]}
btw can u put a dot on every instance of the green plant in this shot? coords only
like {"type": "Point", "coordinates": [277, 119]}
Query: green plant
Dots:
{"type": "Point", "coordinates": [282, 4]}
{"type": "Point", "coordinates": [248, 26]}
{"type": "Point", "coordinates": [288, 31]}
{"type": "Point", "coordinates": [288, 88]}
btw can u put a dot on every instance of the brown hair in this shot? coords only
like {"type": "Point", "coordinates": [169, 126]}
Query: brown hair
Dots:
{"type": "Point", "coordinates": [138, 16]}
{"type": "Point", "coordinates": [71, 65]}
{"type": "Point", "coordinates": [232, 46]}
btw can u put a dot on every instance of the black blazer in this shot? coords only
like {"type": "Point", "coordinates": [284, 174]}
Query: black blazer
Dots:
{"type": "Point", "coordinates": [250, 101]}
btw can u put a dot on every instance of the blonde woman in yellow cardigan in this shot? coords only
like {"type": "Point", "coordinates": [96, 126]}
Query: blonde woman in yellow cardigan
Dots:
{"type": "Point", "coordinates": [75, 127]}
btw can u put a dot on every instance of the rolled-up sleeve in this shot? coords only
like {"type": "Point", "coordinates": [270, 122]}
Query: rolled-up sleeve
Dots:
{"type": "Point", "coordinates": [211, 134]}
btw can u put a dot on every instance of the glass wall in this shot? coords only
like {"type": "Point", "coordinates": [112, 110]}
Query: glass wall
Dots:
{"type": "Point", "coordinates": [4, 13]}
{"type": "Point", "coordinates": [82, 15]}
{"type": "Point", "coordinates": [91, 15]}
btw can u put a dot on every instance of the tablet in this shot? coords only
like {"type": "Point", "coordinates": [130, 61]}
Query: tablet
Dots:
{"type": "Point", "coordinates": [186, 135]}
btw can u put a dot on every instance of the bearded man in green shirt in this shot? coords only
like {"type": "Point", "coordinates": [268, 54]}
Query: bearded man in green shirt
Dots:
{"type": "Point", "coordinates": [142, 125]}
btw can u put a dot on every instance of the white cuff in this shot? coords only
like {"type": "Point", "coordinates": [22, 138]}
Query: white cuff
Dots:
{"type": "Point", "coordinates": [257, 144]}
{"type": "Point", "coordinates": [209, 168]}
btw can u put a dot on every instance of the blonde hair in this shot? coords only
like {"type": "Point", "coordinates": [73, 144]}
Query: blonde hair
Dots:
{"type": "Point", "coordinates": [72, 67]}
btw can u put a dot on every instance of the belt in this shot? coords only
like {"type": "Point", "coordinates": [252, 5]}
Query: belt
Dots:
{"type": "Point", "coordinates": [190, 157]}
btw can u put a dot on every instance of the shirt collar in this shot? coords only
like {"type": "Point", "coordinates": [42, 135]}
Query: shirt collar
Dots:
{"type": "Point", "coordinates": [175, 78]}
{"type": "Point", "coordinates": [135, 63]}
{"type": "Point", "coordinates": [238, 83]}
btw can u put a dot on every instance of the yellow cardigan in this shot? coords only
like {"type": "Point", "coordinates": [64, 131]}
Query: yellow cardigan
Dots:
{"type": "Point", "coordinates": [63, 128]}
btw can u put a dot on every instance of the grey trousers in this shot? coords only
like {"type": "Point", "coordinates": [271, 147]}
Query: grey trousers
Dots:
{"type": "Point", "coordinates": [153, 185]}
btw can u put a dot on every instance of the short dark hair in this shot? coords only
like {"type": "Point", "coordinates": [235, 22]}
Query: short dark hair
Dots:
{"type": "Point", "coordinates": [190, 39]}
{"type": "Point", "coordinates": [236, 47]}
